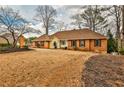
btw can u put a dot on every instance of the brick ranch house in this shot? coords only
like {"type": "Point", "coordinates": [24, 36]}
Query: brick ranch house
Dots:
{"type": "Point", "coordinates": [83, 39]}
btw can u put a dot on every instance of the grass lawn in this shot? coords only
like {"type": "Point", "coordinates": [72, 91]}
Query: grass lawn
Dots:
{"type": "Point", "coordinates": [42, 67]}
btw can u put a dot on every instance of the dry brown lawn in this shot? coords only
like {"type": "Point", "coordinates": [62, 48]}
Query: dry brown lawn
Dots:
{"type": "Point", "coordinates": [42, 67]}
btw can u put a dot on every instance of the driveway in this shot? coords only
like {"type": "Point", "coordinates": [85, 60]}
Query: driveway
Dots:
{"type": "Point", "coordinates": [42, 67]}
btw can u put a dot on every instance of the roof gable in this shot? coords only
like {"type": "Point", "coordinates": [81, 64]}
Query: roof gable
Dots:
{"type": "Point", "coordinates": [43, 38]}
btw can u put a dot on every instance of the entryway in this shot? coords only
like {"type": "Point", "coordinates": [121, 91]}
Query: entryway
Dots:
{"type": "Point", "coordinates": [55, 44]}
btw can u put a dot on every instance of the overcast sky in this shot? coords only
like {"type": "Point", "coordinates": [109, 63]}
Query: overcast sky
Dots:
{"type": "Point", "coordinates": [63, 13]}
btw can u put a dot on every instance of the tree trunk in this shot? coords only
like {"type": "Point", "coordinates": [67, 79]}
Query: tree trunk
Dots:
{"type": "Point", "coordinates": [14, 40]}
{"type": "Point", "coordinates": [79, 26]}
{"type": "Point", "coordinates": [46, 30]}
{"type": "Point", "coordinates": [14, 43]}
{"type": "Point", "coordinates": [123, 21]}
{"type": "Point", "coordinates": [117, 16]}
{"type": "Point", "coordinates": [123, 26]}
{"type": "Point", "coordinates": [7, 41]}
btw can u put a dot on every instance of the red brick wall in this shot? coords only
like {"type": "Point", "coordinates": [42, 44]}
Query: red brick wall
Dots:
{"type": "Point", "coordinates": [46, 44]}
{"type": "Point", "coordinates": [89, 46]}
{"type": "Point", "coordinates": [22, 41]}
{"type": "Point", "coordinates": [102, 48]}
{"type": "Point", "coordinates": [33, 44]}
{"type": "Point", "coordinates": [86, 48]}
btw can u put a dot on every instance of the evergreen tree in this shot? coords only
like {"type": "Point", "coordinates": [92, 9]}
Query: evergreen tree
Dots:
{"type": "Point", "coordinates": [112, 44]}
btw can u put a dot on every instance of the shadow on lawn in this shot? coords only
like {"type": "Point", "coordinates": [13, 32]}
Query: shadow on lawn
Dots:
{"type": "Point", "coordinates": [104, 71]}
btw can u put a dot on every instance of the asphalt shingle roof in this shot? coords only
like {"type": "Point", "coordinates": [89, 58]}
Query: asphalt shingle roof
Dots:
{"type": "Point", "coordinates": [72, 35]}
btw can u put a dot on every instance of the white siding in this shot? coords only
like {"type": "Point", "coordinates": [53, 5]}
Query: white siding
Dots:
{"type": "Point", "coordinates": [57, 42]}
{"type": "Point", "coordinates": [65, 45]}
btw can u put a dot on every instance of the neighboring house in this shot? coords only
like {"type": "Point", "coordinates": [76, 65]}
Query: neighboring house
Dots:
{"type": "Point", "coordinates": [81, 39]}
{"type": "Point", "coordinates": [20, 43]}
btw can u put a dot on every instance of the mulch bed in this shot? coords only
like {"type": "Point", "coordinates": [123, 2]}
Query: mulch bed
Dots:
{"type": "Point", "coordinates": [9, 50]}
{"type": "Point", "coordinates": [104, 71]}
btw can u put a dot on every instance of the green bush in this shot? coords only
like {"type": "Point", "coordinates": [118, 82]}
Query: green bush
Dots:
{"type": "Point", "coordinates": [112, 45]}
{"type": "Point", "coordinates": [121, 51]}
{"type": "Point", "coordinates": [4, 46]}
{"type": "Point", "coordinates": [26, 46]}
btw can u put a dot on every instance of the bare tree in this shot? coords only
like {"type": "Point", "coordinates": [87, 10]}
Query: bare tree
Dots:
{"type": "Point", "coordinates": [45, 14]}
{"type": "Point", "coordinates": [122, 26]}
{"type": "Point", "coordinates": [60, 26]}
{"type": "Point", "coordinates": [123, 19]}
{"type": "Point", "coordinates": [77, 20]}
{"type": "Point", "coordinates": [4, 37]}
{"type": "Point", "coordinates": [11, 22]}
{"type": "Point", "coordinates": [2, 34]}
{"type": "Point", "coordinates": [95, 17]}
{"type": "Point", "coordinates": [116, 13]}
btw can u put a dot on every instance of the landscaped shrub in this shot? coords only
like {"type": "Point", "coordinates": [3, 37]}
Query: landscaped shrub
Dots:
{"type": "Point", "coordinates": [112, 45]}
{"type": "Point", "coordinates": [121, 51]}
{"type": "Point", "coordinates": [26, 46]}
{"type": "Point", "coordinates": [4, 46]}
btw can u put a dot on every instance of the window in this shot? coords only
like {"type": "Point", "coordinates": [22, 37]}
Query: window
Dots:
{"type": "Point", "coordinates": [73, 43]}
{"type": "Point", "coordinates": [62, 42]}
{"type": "Point", "coordinates": [36, 43]}
{"type": "Point", "coordinates": [82, 43]}
{"type": "Point", "coordinates": [42, 43]}
{"type": "Point", "coordinates": [97, 43]}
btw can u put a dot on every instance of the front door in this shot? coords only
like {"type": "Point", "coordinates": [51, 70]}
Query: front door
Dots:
{"type": "Point", "coordinates": [55, 45]}
{"type": "Point", "coordinates": [48, 44]}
